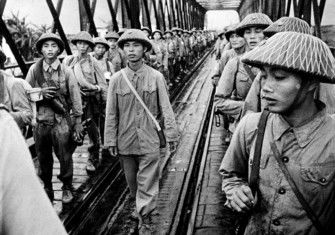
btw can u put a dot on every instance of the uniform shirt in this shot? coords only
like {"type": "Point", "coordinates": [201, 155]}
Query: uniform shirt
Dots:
{"type": "Point", "coordinates": [309, 152]}
{"type": "Point", "coordinates": [236, 82]}
{"type": "Point", "coordinates": [104, 64]}
{"type": "Point", "coordinates": [163, 49]}
{"type": "Point", "coordinates": [61, 77]}
{"type": "Point", "coordinates": [16, 99]}
{"type": "Point", "coordinates": [24, 206]}
{"type": "Point", "coordinates": [225, 57]}
{"type": "Point", "coordinates": [127, 124]}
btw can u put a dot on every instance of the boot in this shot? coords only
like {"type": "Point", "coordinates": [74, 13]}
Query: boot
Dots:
{"type": "Point", "coordinates": [67, 196]}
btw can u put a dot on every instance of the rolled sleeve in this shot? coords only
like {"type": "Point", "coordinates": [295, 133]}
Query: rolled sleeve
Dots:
{"type": "Point", "coordinates": [74, 91]}
{"type": "Point", "coordinates": [112, 117]}
{"type": "Point", "coordinates": [234, 165]}
{"type": "Point", "coordinates": [170, 125]}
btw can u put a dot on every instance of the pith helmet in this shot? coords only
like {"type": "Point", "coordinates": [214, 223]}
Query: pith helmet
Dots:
{"type": "Point", "coordinates": [168, 31]}
{"type": "Point", "coordinates": [157, 31]}
{"type": "Point", "coordinates": [283, 24]}
{"type": "Point", "coordinates": [112, 34]}
{"type": "Point", "coordinates": [231, 29]}
{"type": "Point", "coordinates": [253, 20]}
{"type": "Point", "coordinates": [296, 52]}
{"type": "Point", "coordinates": [50, 36]}
{"type": "Point", "coordinates": [84, 37]}
{"type": "Point", "coordinates": [102, 41]}
{"type": "Point", "coordinates": [147, 29]}
{"type": "Point", "coordinates": [134, 35]}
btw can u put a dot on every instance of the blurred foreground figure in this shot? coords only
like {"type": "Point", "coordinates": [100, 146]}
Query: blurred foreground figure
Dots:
{"type": "Point", "coordinates": [24, 207]}
{"type": "Point", "coordinates": [280, 167]}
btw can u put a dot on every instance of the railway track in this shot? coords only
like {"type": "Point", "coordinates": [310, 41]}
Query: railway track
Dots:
{"type": "Point", "coordinates": [101, 199]}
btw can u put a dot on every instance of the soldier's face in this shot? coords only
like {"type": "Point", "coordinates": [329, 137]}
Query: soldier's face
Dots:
{"type": "Point", "coordinates": [253, 36]}
{"type": "Point", "coordinates": [134, 51]}
{"type": "Point", "coordinates": [50, 49]}
{"type": "Point", "coordinates": [112, 43]}
{"type": "Point", "coordinates": [168, 35]}
{"type": "Point", "coordinates": [100, 49]}
{"type": "Point", "coordinates": [236, 41]}
{"type": "Point", "coordinates": [82, 47]}
{"type": "Point", "coordinates": [157, 36]}
{"type": "Point", "coordinates": [281, 90]}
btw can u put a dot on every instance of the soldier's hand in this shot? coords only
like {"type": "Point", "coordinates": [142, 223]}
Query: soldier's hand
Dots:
{"type": "Point", "coordinates": [113, 151]}
{"type": "Point", "coordinates": [78, 130]}
{"type": "Point", "coordinates": [49, 92]}
{"type": "Point", "coordinates": [241, 199]}
{"type": "Point", "coordinates": [172, 146]}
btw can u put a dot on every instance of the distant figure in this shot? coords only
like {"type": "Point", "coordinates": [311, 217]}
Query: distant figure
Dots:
{"type": "Point", "coordinates": [24, 207]}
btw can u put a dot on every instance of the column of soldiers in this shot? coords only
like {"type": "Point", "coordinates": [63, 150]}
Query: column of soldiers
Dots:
{"type": "Point", "coordinates": [73, 101]}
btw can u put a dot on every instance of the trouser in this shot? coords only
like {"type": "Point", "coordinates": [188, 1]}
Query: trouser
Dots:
{"type": "Point", "coordinates": [58, 137]}
{"type": "Point", "coordinates": [142, 175]}
{"type": "Point", "coordinates": [91, 110]}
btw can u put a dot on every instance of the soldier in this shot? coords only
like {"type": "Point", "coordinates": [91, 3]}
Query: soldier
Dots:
{"type": "Point", "coordinates": [129, 129]}
{"type": "Point", "coordinates": [179, 53]}
{"type": "Point", "coordinates": [13, 95]}
{"type": "Point", "coordinates": [61, 96]}
{"type": "Point", "coordinates": [186, 41]}
{"type": "Point", "coordinates": [172, 55]}
{"type": "Point", "coordinates": [218, 44]}
{"type": "Point", "coordinates": [238, 48]}
{"type": "Point", "coordinates": [286, 178]}
{"type": "Point", "coordinates": [237, 77]}
{"type": "Point", "coordinates": [115, 55]}
{"type": "Point", "coordinates": [153, 57]}
{"type": "Point", "coordinates": [158, 42]}
{"type": "Point", "coordinates": [253, 102]}
{"type": "Point", "coordinates": [100, 49]}
{"type": "Point", "coordinates": [93, 88]}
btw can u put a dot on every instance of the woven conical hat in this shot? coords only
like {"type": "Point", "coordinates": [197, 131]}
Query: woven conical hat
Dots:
{"type": "Point", "coordinates": [284, 24]}
{"type": "Point", "coordinates": [253, 20]}
{"type": "Point", "coordinates": [230, 30]}
{"type": "Point", "coordinates": [296, 52]}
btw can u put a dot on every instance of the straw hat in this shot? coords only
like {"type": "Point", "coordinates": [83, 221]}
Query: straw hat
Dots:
{"type": "Point", "coordinates": [111, 35]}
{"type": "Point", "coordinates": [50, 36]}
{"type": "Point", "coordinates": [296, 52]}
{"type": "Point", "coordinates": [134, 35]}
{"type": "Point", "coordinates": [102, 41]}
{"type": "Point", "coordinates": [253, 20]}
{"type": "Point", "coordinates": [84, 37]}
{"type": "Point", "coordinates": [283, 24]}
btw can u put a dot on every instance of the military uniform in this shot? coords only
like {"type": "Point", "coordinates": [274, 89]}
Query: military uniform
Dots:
{"type": "Point", "coordinates": [54, 127]}
{"type": "Point", "coordinates": [94, 93]}
{"type": "Point", "coordinates": [306, 149]}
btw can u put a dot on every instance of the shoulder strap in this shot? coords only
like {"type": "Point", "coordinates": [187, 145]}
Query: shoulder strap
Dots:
{"type": "Point", "coordinates": [249, 72]}
{"type": "Point", "coordinates": [140, 100]}
{"type": "Point", "coordinates": [254, 174]}
{"type": "Point", "coordinates": [38, 73]}
{"type": "Point", "coordinates": [310, 213]}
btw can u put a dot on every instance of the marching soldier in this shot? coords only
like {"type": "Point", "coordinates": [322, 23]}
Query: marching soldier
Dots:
{"type": "Point", "coordinates": [93, 89]}
{"type": "Point", "coordinates": [54, 128]}
{"type": "Point", "coordinates": [130, 131]}
{"type": "Point", "coordinates": [158, 42]}
{"type": "Point", "coordinates": [237, 77]}
{"type": "Point", "coordinates": [172, 56]}
{"type": "Point", "coordinates": [285, 179]}
{"type": "Point", "coordinates": [114, 54]}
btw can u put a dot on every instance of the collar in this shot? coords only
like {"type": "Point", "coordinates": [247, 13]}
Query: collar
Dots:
{"type": "Point", "coordinates": [306, 131]}
{"type": "Point", "coordinates": [140, 72]}
{"type": "Point", "coordinates": [54, 65]}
